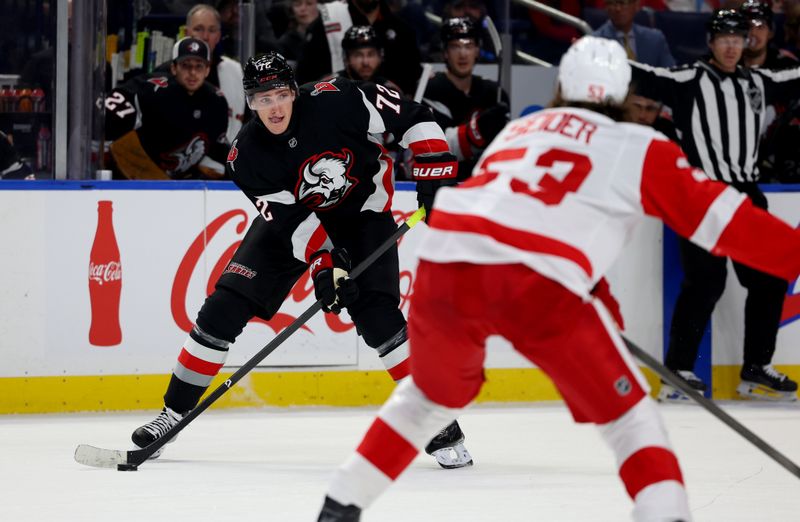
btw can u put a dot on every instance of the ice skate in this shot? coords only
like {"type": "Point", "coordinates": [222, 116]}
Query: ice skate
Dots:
{"type": "Point", "coordinates": [766, 383]}
{"type": "Point", "coordinates": [152, 431]}
{"type": "Point", "coordinates": [448, 448]}
{"type": "Point", "coordinates": [332, 511]}
{"type": "Point", "coordinates": [670, 393]}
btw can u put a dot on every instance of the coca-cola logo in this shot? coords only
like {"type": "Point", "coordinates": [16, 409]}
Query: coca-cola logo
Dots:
{"type": "Point", "coordinates": [105, 272]}
{"type": "Point", "coordinates": [302, 289]}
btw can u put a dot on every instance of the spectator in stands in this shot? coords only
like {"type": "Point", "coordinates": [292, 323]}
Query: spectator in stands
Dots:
{"type": "Point", "coordinates": [791, 30]}
{"type": "Point", "coordinates": [759, 52]}
{"type": "Point", "coordinates": [465, 105]}
{"type": "Point", "coordinates": [475, 9]}
{"type": "Point", "coordinates": [302, 13]}
{"type": "Point", "coordinates": [264, 32]}
{"type": "Point", "coordinates": [322, 50]}
{"type": "Point", "coordinates": [162, 126]}
{"type": "Point", "coordinates": [203, 22]}
{"type": "Point", "coordinates": [643, 44]}
{"type": "Point", "coordinates": [363, 57]}
{"type": "Point", "coordinates": [551, 38]}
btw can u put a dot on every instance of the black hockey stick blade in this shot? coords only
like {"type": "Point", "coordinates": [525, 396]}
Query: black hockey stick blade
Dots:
{"type": "Point", "coordinates": [130, 460]}
{"type": "Point", "coordinates": [712, 408]}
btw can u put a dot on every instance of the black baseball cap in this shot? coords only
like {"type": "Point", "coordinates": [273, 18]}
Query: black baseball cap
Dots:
{"type": "Point", "coordinates": [190, 48]}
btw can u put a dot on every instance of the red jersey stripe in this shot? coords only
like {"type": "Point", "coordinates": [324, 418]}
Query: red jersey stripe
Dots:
{"type": "Point", "coordinates": [519, 239]}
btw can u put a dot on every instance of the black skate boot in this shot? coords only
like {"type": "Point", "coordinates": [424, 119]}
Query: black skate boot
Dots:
{"type": "Point", "coordinates": [448, 448]}
{"type": "Point", "coordinates": [155, 429]}
{"type": "Point", "coordinates": [332, 511]}
{"type": "Point", "coordinates": [766, 383]}
{"type": "Point", "coordinates": [670, 393]}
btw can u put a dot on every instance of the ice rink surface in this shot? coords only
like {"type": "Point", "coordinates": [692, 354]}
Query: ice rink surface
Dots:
{"type": "Point", "coordinates": [531, 464]}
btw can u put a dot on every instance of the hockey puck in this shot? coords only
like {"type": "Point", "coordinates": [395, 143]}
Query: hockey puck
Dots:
{"type": "Point", "coordinates": [127, 467]}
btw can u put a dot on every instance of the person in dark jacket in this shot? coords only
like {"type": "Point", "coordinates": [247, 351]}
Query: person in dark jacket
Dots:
{"type": "Point", "coordinates": [401, 58]}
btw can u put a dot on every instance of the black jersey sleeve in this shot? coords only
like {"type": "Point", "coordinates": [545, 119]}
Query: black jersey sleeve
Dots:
{"type": "Point", "coordinates": [780, 86]}
{"type": "Point", "coordinates": [412, 123]}
{"type": "Point", "coordinates": [122, 112]}
{"type": "Point", "coordinates": [666, 85]}
{"type": "Point", "coordinates": [219, 128]}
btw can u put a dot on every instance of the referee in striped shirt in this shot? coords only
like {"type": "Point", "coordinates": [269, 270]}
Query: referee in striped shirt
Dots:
{"type": "Point", "coordinates": [718, 108]}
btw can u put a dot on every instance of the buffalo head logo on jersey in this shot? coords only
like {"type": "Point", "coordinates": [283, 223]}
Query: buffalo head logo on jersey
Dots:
{"type": "Point", "coordinates": [325, 180]}
{"type": "Point", "coordinates": [184, 157]}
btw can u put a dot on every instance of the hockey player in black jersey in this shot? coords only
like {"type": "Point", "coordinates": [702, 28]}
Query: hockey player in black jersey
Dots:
{"type": "Point", "coordinates": [363, 57]}
{"type": "Point", "coordinates": [323, 185]}
{"type": "Point", "coordinates": [465, 105]}
{"type": "Point", "coordinates": [164, 125]}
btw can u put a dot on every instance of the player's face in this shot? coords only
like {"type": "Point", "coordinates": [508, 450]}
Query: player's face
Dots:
{"type": "Point", "coordinates": [305, 11]}
{"type": "Point", "coordinates": [190, 73]}
{"type": "Point", "coordinates": [362, 63]}
{"type": "Point", "coordinates": [274, 108]}
{"type": "Point", "coordinates": [461, 56]}
{"type": "Point", "coordinates": [204, 26]}
{"type": "Point", "coordinates": [644, 111]}
{"type": "Point", "coordinates": [727, 50]}
{"type": "Point", "coordinates": [759, 36]}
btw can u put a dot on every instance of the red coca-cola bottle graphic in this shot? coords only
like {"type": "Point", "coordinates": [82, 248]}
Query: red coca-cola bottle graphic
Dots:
{"type": "Point", "coordinates": [105, 281]}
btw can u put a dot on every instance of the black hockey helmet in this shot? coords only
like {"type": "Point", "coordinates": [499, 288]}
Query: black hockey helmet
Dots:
{"type": "Point", "coordinates": [359, 36]}
{"type": "Point", "coordinates": [264, 72]}
{"type": "Point", "coordinates": [754, 10]}
{"type": "Point", "coordinates": [727, 21]}
{"type": "Point", "coordinates": [458, 28]}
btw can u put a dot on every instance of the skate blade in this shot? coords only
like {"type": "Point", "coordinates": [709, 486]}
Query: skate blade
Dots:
{"type": "Point", "coordinates": [764, 393]}
{"type": "Point", "coordinates": [453, 457]}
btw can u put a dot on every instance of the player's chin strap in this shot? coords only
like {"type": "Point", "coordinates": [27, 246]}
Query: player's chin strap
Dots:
{"type": "Point", "coordinates": [130, 460]}
{"type": "Point", "coordinates": [712, 408]}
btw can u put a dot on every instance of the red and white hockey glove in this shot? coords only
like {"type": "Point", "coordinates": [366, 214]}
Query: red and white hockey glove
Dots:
{"type": "Point", "coordinates": [332, 285]}
{"type": "Point", "coordinates": [432, 171]}
{"type": "Point", "coordinates": [602, 291]}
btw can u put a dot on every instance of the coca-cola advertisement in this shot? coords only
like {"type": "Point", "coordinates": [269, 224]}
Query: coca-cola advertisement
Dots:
{"type": "Point", "coordinates": [105, 280]}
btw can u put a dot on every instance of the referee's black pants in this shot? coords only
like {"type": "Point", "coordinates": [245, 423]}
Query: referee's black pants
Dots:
{"type": "Point", "coordinates": [703, 285]}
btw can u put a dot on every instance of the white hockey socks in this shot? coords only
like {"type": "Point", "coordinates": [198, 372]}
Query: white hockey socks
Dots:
{"type": "Point", "coordinates": [647, 465]}
{"type": "Point", "coordinates": [405, 424]}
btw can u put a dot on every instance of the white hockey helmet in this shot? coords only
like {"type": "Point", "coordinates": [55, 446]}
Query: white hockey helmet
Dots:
{"type": "Point", "coordinates": [595, 70]}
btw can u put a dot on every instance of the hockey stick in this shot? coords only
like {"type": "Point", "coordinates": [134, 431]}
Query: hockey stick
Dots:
{"type": "Point", "coordinates": [423, 82]}
{"type": "Point", "coordinates": [712, 408]}
{"type": "Point", "coordinates": [130, 460]}
{"type": "Point", "coordinates": [497, 47]}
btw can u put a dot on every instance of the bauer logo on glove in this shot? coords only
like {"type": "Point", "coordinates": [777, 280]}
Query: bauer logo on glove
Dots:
{"type": "Point", "coordinates": [332, 284]}
{"type": "Point", "coordinates": [426, 172]}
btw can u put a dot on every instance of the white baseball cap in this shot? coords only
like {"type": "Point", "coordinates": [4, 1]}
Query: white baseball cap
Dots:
{"type": "Point", "coordinates": [595, 70]}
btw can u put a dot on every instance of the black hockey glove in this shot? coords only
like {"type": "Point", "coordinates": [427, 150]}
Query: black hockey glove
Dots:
{"type": "Point", "coordinates": [484, 125]}
{"type": "Point", "coordinates": [329, 271]}
{"type": "Point", "coordinates": [432, 171]}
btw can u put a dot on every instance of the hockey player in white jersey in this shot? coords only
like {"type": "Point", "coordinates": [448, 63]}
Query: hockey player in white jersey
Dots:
{"type": "Point", "coordinates": [517, 250]}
